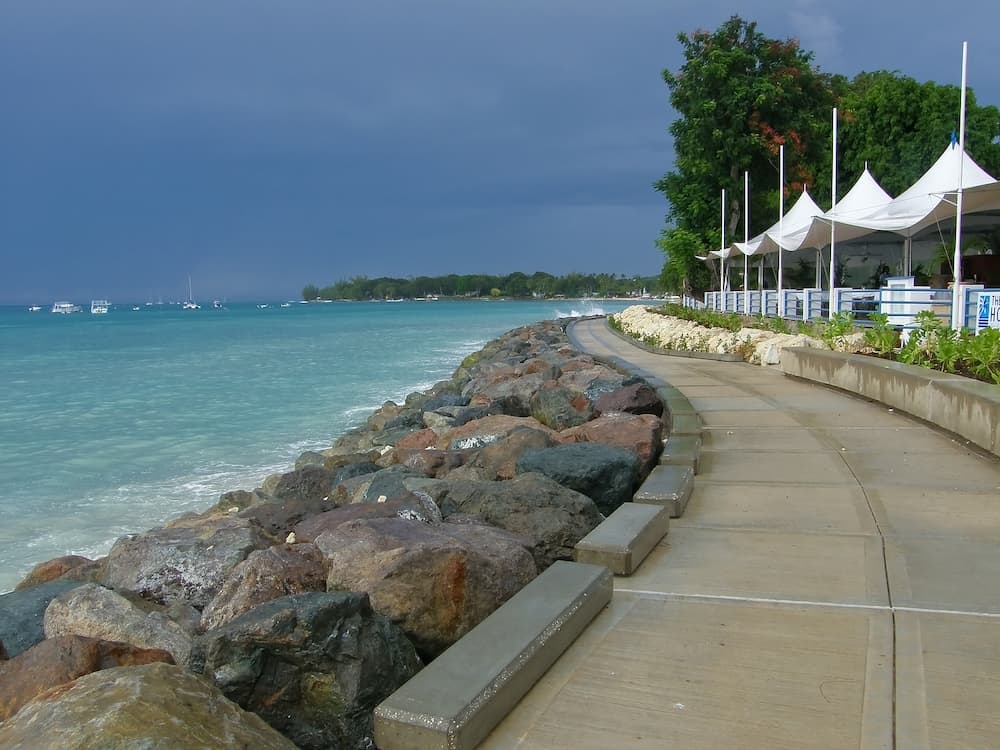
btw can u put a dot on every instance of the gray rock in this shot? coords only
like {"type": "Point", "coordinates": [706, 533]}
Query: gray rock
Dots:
{"type": "Point", "coordinates": [152, 707]}
{"type": "Point", "coordinates": [266, 574]}
{"type": "Point", "coordinates": [309, 458]}
{"type": "Point", "coordinates": [560, 408]}
{"type": "Point", "coordinates": [310, 483]}
{"type": "Point", "coordinates": [607, 474]}
{"type": "Point", "coordinates": [97, 612]}
{"type": "Point", "coordinates": [22, 614]}
{"type": "Point", "coordinates": [185, 561]}
{"type": "Point", "coordinates": [314, 666]}
{"type": "Point", "coordinates": [553, 517]}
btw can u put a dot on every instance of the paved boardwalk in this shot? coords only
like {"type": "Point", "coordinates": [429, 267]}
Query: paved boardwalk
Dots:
{"type": "Point", "coordinates": [833, 583]}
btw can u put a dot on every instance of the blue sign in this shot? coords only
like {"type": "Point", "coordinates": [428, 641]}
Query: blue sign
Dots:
{"type": "Point", "coordinates": [988, 315]}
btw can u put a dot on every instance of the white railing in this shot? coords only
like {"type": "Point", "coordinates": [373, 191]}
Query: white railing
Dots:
{"type": "Point", "coordinates": [900, 299]}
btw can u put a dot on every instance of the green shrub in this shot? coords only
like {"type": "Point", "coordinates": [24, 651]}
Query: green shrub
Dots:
{"type": "Point", "coordinates": [881, 337]}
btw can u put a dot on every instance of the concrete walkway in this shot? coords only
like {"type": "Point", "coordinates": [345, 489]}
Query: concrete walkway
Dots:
{"type": "Point", "coordinates": [833, 583]}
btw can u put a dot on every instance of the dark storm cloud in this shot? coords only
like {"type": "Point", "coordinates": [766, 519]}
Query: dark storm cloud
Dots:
{"type": "Point", "coordinates": [263, 145]}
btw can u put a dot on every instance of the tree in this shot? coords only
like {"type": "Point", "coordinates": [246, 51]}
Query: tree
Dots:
{"type": "Point", "coordinates": [899, 127]}
{"type": "Point", "coordinates": [310, 292]}
{"type": "Point", "coordinates": [682, 272]}
{"type": "Point", "coordinates": [739, 95]}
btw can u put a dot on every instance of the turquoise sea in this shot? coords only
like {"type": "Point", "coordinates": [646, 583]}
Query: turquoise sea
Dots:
{"type": "Point", "coordinates": [112, 424]}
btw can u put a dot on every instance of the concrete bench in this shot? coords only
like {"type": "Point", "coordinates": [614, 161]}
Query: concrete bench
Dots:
{"type": "Point", "coordinates": [682, 450]}
{"type": "Point", "coordinates": [457, 699]}
{"type": "Point", "coordinates": [685, 424]}
{"type": "Point", "coordinates": [622, 541]}
{"type": "Point", "coordinates": [667, 485]}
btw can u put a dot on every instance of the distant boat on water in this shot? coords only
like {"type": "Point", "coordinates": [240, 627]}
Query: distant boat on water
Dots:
{"type": "Point", "coordinates": [217, 305]}
{"type": "Point", "coordinates": [99, 306]}
{"type": "Point", "coordinates": [190, 304]}
{"type": "Point", "coordinates": [34, 308]}
{"type": "Point", "coordinates": [65, 308]}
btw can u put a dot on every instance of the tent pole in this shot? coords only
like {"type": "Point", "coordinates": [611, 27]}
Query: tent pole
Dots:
{"type": "Point", "coordinates": [833, 216]}
{"type": "Point", "coordinates": [956, 292]}
{"type": "Point", "coordinates": [746, 239]}
{"type": "Point", "coordinates": [781, 232]}
{"type": "Point", "coordinates": [722, 247]}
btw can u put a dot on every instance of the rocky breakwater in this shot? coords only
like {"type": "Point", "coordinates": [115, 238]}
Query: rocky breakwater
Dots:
{"type": "Point", "coordinates": [756, 345]}
{"type": "Point", "coordinates": [284, 614]}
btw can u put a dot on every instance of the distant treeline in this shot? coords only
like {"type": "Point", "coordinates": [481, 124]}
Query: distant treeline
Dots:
{"type": "Point", "coordinates": [517, 284]}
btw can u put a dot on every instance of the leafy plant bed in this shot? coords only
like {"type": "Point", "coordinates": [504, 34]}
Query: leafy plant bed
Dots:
{"type": "Point", "coordinates": [932, 344]}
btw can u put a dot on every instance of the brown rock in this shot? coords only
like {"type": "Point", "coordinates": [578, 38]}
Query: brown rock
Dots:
{"type": "Point", "coordinates": [418, 440]}
{"type": "Point", "coordinates": [636, 398]}
{"type": "Point", "coordinates": [56, 661]}
{"type": "Point", "coordinates": [153, 707]}
{"type": "Point", "coordinates": [266, 574]}
{"type": "Point", "coordinates": [486, 431]}
{"type": "Point", "coordinates": [499, 460]}
{"type": "Point", "coordinates": [435, 582]}
{"type": "Point", "coordinates": [411, 506]}
{"type": "Point", "coordinates": [433, 463]}
{"type": "Point", "coordinates": [72, 567]}
{"type": "Point", "coordinates": [640, 433]}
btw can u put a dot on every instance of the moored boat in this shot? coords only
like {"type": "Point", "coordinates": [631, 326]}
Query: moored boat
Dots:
{"type": "Point", "coordinates": [99, 306]}
{"type": "Point", "coordinates": [65, 308]}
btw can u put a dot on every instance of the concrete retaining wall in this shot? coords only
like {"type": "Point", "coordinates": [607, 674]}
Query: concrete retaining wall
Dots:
{"type": "Point", "coordinates": [966, 407]}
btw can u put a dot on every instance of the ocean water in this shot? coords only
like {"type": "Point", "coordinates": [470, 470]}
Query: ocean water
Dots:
{"type": "Point", "coordinates": [114, 424]}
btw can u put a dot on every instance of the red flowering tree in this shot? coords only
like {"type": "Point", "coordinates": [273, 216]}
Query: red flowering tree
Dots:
{"type": "Point", "coordinates": [738, 96]}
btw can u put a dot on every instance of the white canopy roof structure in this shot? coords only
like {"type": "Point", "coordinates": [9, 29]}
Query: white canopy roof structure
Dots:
{"type": "Point", "coordinates": [927, 201]}
{"type": "Point", "coordinates": [864, 198]}
{"type": "Point", "coordinates": [796, 221]}
{"type": "Point", "coordinates": [867, 208]}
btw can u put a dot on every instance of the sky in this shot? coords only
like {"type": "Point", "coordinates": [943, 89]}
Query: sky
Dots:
{"type": "Point", "coordinates": [256, 147]}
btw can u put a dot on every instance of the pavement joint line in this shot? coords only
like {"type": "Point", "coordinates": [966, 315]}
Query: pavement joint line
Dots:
{"type": "Point", "coordinates": [680, 523]}
{"type": "Point", "coordinates": [674, 596]}
{"type": "Point", "coordinates": [957, 612]}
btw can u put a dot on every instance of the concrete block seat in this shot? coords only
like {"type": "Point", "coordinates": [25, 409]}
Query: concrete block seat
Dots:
{"type": "Point", "coordinates": [685, 424]}
{"type": "Point", "coordinates": [667, 485]}
{"type": "Point", "coordinates": [622, 541]}
{"type": "Point", "coordinates": [682, 450]}
{"type": "Point", "coordinates": [457, 699]}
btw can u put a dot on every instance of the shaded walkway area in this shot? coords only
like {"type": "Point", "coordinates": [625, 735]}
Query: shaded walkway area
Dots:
{"type": "Point", "coordinates": [833, 583]}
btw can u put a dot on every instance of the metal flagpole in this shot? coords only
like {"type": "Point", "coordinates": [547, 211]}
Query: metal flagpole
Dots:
{"type": "Point", "coordinates": [781, 227]}
{"type": "Point", "coordinates": [746, 239]}
{"type": "Point", "coordinates": [833, 218]}
{"type": "Point", "coordinates": [956, 292]}
{"type": "Point", "coordinates": [722, 247]}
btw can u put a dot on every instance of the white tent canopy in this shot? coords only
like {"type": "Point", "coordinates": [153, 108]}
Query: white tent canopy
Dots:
{"type": "Point", "coordinates": [867, 208]}
{"type": "Point", "coordinates": [865, 197]}
{"type": "Point", "coordinates": [796, 221]}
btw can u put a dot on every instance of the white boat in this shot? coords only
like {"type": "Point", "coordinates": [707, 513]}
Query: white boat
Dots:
{"type": "Point", "coordinates": [65, 308]}
{"type": "Point", "coordinates": [286, 304]}
{"type": "Point", "coordinates": [263, 306]}
{"type": "Point", "coordinates": [34, 308]}
{"type": "Point", "coordinates": [99, 306]}
{"type": "Point", "coordinates": [216, 304]}
{"type": "Point", "coordinates": [190, 304]}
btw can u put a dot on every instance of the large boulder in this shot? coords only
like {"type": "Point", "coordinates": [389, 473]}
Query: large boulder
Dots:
{"type": "Point", "coordinates": [499, 460]}
{"type": "Point", "coordinates": [553, 517]}
{"type": "Point", "coordinates": [435, 581]}
{"type": "Point", "coordinates": [56, 661]}
{"type": "Point", "coordinates": [487, 431]}
{"type": "Point", "coordinates": [97, 612]}
{"type": "Point", "coordinates": [22, 614]}
{"type": "Point", "coordinates": [412, 506]}
{"type": "Point", "coordinates": [607, 474]}
{"type": "Point", "coordinates": [154, 707]}
{"type": "Point", "coordinates": [634, 398]}
{"type": "Point", "coordinates": [640, 433]}
{"type": "Point", "coordinates": [69, 567]}
{"type": "Point", "coordinates": [266, 574]}
{"type": "Point", "coordinates": [276, 518]}
{"type": "Point", "coordinates": [314, 666]}
{"type": "Point", "coordinates": [311, 483]}
{"type": "Point", "coordinates": [582, 379]}
{"type": "Point", "coordinates": [512, 394]}
{"type": "Point", "coordinates": [184, 561]}
{"type": "Point", "coordinates": [559, 408]}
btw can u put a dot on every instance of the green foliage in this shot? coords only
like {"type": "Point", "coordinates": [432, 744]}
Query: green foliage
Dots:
{"type": "Point", "coordinates": [707, 318]}
{"type": "Point", "coordinates": [881, 336]}
{"type": "Point", "coordinates": [682, 272]}
{"type": "Point", "coordinates": [517, 284]}
{"type": "Point", "coordinates": [310, 292]}
{"type": "Point", "coordinates": [833, 332]}
{"type": "Point", "coordinates": [739, 96]}
{"type": "Point", "coordinates": [982, 355]}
